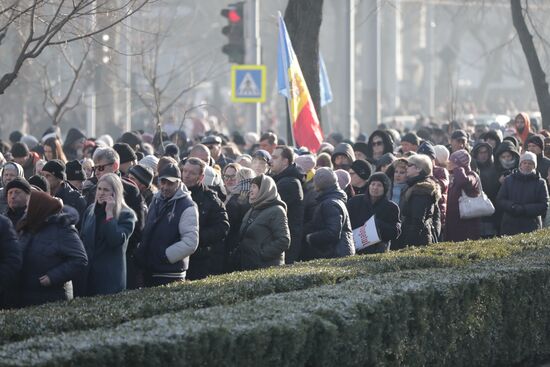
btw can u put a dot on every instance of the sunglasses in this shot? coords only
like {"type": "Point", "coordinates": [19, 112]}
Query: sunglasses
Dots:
{"type": "Point", "coordinates": [102, 167]}
{"type": "Point", "coordinates": [379, 142]}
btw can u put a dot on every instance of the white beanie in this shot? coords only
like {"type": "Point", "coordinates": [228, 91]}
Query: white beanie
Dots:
{"type": "Point", "coordinates": [441, 154]}
{"type": "Point", "coordinates": [150, 161]}
{"type": "Point", "coordinates": [106, 139]}
{"type": "Point", "coordinates": [528, 156]}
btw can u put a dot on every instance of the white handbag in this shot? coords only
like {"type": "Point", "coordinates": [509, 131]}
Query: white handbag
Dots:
{"type": "Point", "coordinates": [475, 207]}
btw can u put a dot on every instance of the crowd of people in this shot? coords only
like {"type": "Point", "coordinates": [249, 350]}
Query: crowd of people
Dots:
{"type": "Point", "coordinates": [86, 216]}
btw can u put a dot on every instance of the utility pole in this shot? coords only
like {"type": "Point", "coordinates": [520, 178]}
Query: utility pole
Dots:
{"type": "Point", "coordinates": [253, 56]}
{"type": "Point", "coordinates": [349, 66]}
{"type": "Point", "coordinates": [371, 64]}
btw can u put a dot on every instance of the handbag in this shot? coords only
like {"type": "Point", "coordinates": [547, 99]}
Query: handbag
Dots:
{"type": "Point", "coordinates": [475, 207]}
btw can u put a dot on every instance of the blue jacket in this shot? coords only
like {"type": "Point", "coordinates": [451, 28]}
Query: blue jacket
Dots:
{"type": "Point", "coordinates": [56, 251]}
{"type": "Point", "coordinates": [106, 243]}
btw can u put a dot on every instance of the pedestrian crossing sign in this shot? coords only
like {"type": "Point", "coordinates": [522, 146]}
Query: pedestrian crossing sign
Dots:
{"type": "Point", "coordinates": [248, 83]}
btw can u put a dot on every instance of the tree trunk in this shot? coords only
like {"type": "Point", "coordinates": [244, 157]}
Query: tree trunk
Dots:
{"type": "Point", "coordinates": [303, 21]}
{"type": "Point", "coordinates": [537, 74]}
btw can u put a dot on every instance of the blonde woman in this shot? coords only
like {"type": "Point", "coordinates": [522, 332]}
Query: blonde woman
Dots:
{"type": "Point", "coordinates": [107, 225]}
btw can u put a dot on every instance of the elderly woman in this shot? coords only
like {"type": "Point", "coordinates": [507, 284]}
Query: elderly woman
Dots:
{"type": "Point", "coordinates": [53, 254]}
{"type": "Point", "coordinates": [106, 227]}
{"type": "Point", "coordinates": [10, 171]}
{"type": "Point", "coordinates": [523, 198]}
{"type": "Point", "coordinates": [420, 214]}
{"type": "Point", "coordinates": [467, 181]}
{"type": "Point", "coordinates": [264, 235]}
{"type": "Point", "coordinates": [329, 233]}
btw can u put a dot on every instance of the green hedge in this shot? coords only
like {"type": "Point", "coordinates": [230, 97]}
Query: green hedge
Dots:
{"type": "Point", "coordinates": [89, 313]}
{"type": "Point", "coordinates": [485, 314]}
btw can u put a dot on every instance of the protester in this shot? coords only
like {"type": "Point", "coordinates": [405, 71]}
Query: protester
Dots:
{"type": "Point", "coordinates": [329, 233]}
{"type": "Point", "coordinates": [214, 143]}
{"type": "Point", "coordinates": [343, 156]}
{"type": "Point", "coordinates": [75, 174]}
{"type": "Point", "coordinates": [260, 162]}
{"type": "Point", "coordinates": [106, 229]}
{"type": "Point", "coordinates": [360, 172]}
{"type": "Point", "coordinates": [18, 193]}
{"type": "Point", "coordinates": [523, 198]}
{"type": "Point", "coordinates": [10, 171]}
{"type": "Point", "coordinates": [264, 234]}
{"type": "Point", "coordinates": [467, 181]}
{"type": "Point", "coordinates": [53, 253]}
{"type": "Point", "coordinates": [142, 177]}
{"type": "Point", "coordinates": [375, 202]}
{"type": "Point", "coordinates": [483, 155]}
{"type": "Point", "coordinates": [379, 143]}
{"type": "Point", "coordinates": [74, 144]}
{"type": "Point", "coordinates": [23, 156]}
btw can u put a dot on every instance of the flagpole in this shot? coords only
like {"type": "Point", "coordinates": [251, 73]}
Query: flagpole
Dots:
{"type": "Point", "coordinates": [290, 130]}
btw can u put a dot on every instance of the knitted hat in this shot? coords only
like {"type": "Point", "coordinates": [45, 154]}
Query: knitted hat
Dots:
{"type": "Point", "coordinates": [39, 182]}
{"type": "Point", "coordinates": [56, 168]}
{"type": "Point", "coordinates": [461, 158]}
{"type": "Point", "coordinates": [426, 149]}
{"type": "Point", "coordinates": [324, 178]}
{"type": "Point", "coordinates": [262, 154]}
{"type": "Point", "coordinates": [150, 161]}
{"type": "Point", "coordinates": [326, 148]}
{"type": "Point", "coordinates": [30, 141]}
{"type": "Point", "coordinates": [18, 183]}
{"type": "Point", "coordinates": [172, 150]}
{"type": "Point", "coordinates": [527, 156]}
{"type": "Point", "coordinates": [537, 140]}
{"type": "Point", "coordinates": [131, 138]}
{"type": "Point", "coordinates": [459, 134]}
{"type": "Point", "coordinates": [19, 150]}
{"type": "Point", "coordinates": [361, 147]}
{"type": "Point", "coordinates": [441, 154]}
{"type": "Point", "coordinates": [383, 178]}
{"type": "Point", "coordinates": [362, 169]}
{"type": "Point", "coordinates": [143, 174]}
{"type": "Point", "coordinates": [385, 160]}
{"type": "Point", "coordinates": [125, 152]}
{"type": "Point", "coordinates": [344, 179]}
{"type": "Point", "coordinates": [411, 138]}
{"type": "Point", "coordinates": [305, 162]}
{"type": "Point", "coordinates": [106, 139]}
{"type": "Point", "coordinates": [74, 171]}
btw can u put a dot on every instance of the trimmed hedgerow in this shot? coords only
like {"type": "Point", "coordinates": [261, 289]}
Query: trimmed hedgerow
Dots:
{"type": "Point", "coordinates": [109, 311]}
{"type": "Point", "coordinates": [485, 314]}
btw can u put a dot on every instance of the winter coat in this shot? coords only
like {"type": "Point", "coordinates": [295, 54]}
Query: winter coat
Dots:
{"type": "Point", "coordinates": [489, 180]}
{"type": "Point", "coordinates": [106, 243]}
{"type": "Point", "coordinates": [523, 199]}
{"type": "Point", "coordinates": [329, 233]}
{"type": "Point", "coordinates": [28, 166]}
{"type": "Point", "coordinates": [56, 251]}
{"type": "Point", "coordinates": [420, 215]}
{"type": "Point", "coordinates": [458, 229]}
{"type": "Point", "coordinates": [343, 149]}
{"type": "Point", "coordinates": [543, 164]}
{"type": "Point", "coordinates": [441, 176]}
{"type": "Point", "coordinates": [11, 260]}
{"type": "Point", "coordinates": [289, 185]}
{"type": "Point", "coordinates": [387, 220]}
{"type": "Point", "coordinates": [264, 235]}
{"type": "Point", "coordinates": [209, 258]}
{"type": "Point", "coordinates": [73, 198]}
{"type": "Point", "coordinates": [236, 207]}
{"type": "Point", "coordinates": [72, 136]}
{"type": "Point", "coordinates": [170, 236]}
{"type": "Point", "coordinates": [506, 146]}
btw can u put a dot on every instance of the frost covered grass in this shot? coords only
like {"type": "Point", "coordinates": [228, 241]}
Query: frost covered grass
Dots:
{"type": "Point", "coordinates": [486, 313]}
{"type": "Point", "coordinates": [232, 289]}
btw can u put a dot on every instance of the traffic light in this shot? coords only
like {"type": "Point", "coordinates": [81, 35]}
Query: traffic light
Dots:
{"type": "Point", "coordinates": [234, 30]}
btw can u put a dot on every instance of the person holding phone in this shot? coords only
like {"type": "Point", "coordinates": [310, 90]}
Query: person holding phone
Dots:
{"type": "Point", "coordinates": [106, 227]}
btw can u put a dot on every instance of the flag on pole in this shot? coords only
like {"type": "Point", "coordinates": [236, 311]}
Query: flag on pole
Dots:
{"type": "Point", "coordinates": [324, 83]}
{"type": "Point", "coordinates": [291, 83]}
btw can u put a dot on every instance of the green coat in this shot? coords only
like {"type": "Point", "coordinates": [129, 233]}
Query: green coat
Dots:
{"type": "Point", "coordinates": [264, 236]}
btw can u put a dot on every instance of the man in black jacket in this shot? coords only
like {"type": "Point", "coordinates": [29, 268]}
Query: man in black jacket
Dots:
{"type": "Point", "coordinates": [213, 223]}
{"type": "Point", "coordinates": [289, 182]}
{"type": "Point", "coordinates": [535, 144]}
{"type": "Point", "coordinates": [11, 260]}
{"type": "Point", "coordinates": [483, 155]}
{"type": "Point", "coordinates": [107, 160]}
{"type": "Point", "coordinates": [55, 172]}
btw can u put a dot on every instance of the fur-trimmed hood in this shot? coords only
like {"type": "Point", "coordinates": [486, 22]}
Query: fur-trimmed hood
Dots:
{"type": "Point", "coordinates": [423, 186]}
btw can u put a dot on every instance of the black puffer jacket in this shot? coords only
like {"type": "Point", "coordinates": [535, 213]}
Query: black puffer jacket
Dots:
{"type": "Point", "coordinates": [489, 180]}
{"type": "Point", "coordinates": [289, 185]}
{"type": "Point", "coordinates": [387, 221]}
{"type": "Point", "coordinates": [420, 216]}
{"type": "Point", "coordinates": [329, 233]}
{"type": "Point", "coordinates": [213, 228]}
{"type": "Point", "coordinates": [523, 199]}
{"type": "Point", "coordinates": [72, 197]}
{"type": "Point", "coordinates": [11, 259]}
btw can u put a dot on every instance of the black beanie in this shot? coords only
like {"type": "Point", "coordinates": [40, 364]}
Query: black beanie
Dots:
{"type": "Point", "coordinates": [172, 150]}
{"type": "Point", "coordinates": [56, 168]}
{"type": "Point", "coordinates": [125, 152]}
{"type": "Point", "coordinates": [537, 140]}
{"type": "Point", "coordinates": [411, 138]}
{"type": "Point", "coordinates": [40, 182]}
{"type": "Point", "coordinates": [143, 174]}
{"type": "Point", "coordinates": [19, 150]}
{"type": "Point", "coordinates": [362, 168]}
{"type": "Point", "coordinates": [383, 178]}
{"type": "Point", "coordinates": [131, 138]}
{"type": "Point", "coordinates": [18, 183]}
{"type": "Point", "coordinates": [74, 171]}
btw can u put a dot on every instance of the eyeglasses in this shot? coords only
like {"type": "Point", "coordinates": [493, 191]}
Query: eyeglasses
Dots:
{"type": "Point", "coordinates": [378, 142]}
{"type": "Point", "coordinates": [229, 177]}
{"type": "Point", "coordinates": [102, 167]}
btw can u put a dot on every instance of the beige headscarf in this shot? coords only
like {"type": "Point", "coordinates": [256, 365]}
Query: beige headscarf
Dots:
{"type": "Point", "coordinates": [268, 191]}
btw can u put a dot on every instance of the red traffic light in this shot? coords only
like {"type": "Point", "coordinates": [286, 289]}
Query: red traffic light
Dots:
{"type": "Point", "coordinates": [233, 16]}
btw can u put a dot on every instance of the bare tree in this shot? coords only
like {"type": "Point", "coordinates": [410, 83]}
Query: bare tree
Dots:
{"type": "Point", "coordinates": [537, 73]}
{"type": "Point", "coordinates": [43, 23]}
{"type": "Point", "coordinates": [56, 105]}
